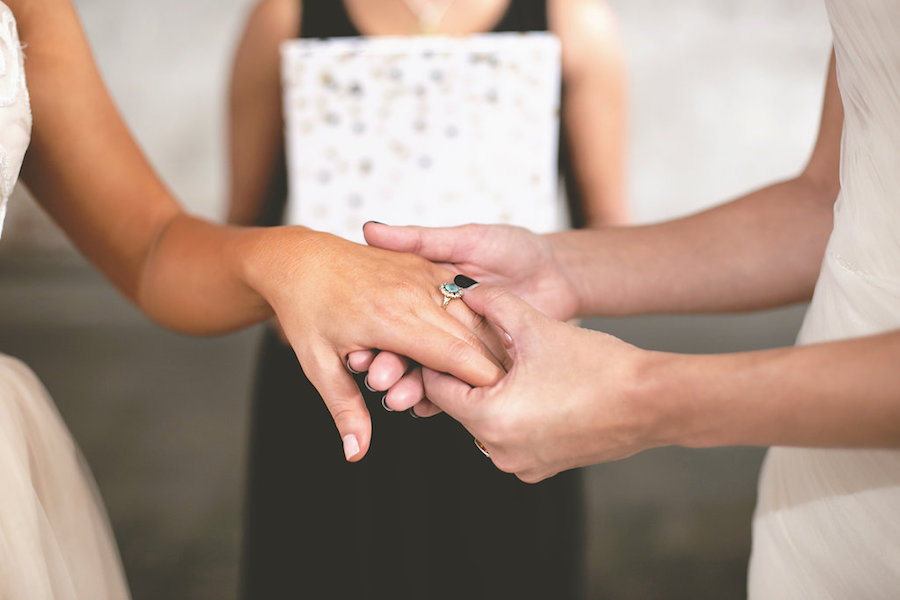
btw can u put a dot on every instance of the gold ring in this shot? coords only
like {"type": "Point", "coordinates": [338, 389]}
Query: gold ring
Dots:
{"type": "Point", "coordinates": [450, 292]}
{"type": "Point", "coordinates": [482, 448]}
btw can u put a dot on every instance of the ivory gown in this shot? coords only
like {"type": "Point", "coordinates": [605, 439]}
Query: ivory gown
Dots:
{"type": "Point", "coordinates": [55, 540]}
{"type": "Point", "coordinates": [827, 522]}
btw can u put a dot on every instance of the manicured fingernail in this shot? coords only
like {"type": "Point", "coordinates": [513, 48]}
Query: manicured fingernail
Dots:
{"type": "Point", "coordinates": [507, 339]}
{"type": "Point", "coordinates": [464, 282]}
{"type": "Point", "coordinates": [412, 413]}
{"type": "Point", "coordinates": [384, 404]}
{"type": "Point", "coordinates": [351, 446]}
{"type": "Point", "coordinates": [368, 387]}
{"type": "Point", "coordinates": [351, 369]}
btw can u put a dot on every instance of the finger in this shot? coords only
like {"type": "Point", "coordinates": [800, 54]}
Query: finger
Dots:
{"type": "Point", "coordinates": [386, 370]}
{"type": "Point", "coordinates": [486, 333]}
{"type": "Point", "coordinates": [444, 344]}
{"type": "Point", "coordinates": [344, 402]}
{"type": "Point", "coordinates": [444, 244]}
{"type": "Point", "coordinates": [449, 394]}
{"type": "Point", "coordinates": [426, 408]}
{"type": "Point", "coordinates": [360, 360]}
{"type": "Point", "coordinates": [407, 392]}
{"type": "Point", "coordinates": [505, 310]}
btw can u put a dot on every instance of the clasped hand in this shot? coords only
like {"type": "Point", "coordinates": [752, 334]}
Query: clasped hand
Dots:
{"type": "Point", "coordinates": [569, 397]}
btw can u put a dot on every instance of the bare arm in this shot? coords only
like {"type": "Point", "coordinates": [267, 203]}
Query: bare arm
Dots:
{"type": "Point", "coordinates": [595, 105]}
{"type": "Point", "coordinates": [576, 397]}
{"type": "Point", "coordinates": [255, 121]}
{"type": "Point", "coordinates": [761, 250]}
{"type": "Point", "coordinates": [333, 297]}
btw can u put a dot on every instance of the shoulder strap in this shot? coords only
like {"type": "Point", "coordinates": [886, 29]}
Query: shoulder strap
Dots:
{"type": "Point", "coordinates": [326, 18]}
{"type": "Point", "coordinates": [524, 15]}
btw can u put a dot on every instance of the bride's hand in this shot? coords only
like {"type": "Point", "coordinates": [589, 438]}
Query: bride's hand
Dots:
{"type": "Point", "coordinates": [402, 381]}
{"type": "Point", "coordinates": [334, 297]}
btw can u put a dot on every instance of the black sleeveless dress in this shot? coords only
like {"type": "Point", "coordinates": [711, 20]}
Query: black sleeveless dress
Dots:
{"type": "Point", "coordinates": [424, 515]}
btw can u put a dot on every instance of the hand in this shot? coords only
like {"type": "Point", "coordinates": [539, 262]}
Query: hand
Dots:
{"type": "Point", "coordinates": [402, 381]}
{"type": "Point", "coordinates": [334, 297]}
{"type": "Point", "coordinates": [568, 400]}
{"type": "Point", "coordinates": [519, 260]}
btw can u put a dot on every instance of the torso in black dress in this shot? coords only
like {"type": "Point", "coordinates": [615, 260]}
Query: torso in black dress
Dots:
{"type": "Point", "coordinates": [424, 515]}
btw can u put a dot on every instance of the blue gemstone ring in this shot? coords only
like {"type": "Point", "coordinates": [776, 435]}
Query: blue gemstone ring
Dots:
{"type": "Point", "coordinates": [450, 291]}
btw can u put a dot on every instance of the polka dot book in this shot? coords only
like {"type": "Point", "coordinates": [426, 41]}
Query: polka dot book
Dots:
{"type": "Point", "coordinates": [422, 130]}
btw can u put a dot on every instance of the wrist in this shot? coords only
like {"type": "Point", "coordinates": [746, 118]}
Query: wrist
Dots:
{"type": "Point", "coordinates": [658, 391]}
{"type": "Point", "coordinates": [570, 260]}
{"type": "Point", "coordinates": [264, 258]}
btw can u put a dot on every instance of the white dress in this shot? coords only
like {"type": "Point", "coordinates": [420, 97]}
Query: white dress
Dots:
{"type": "Point", "coordinates": [827, 523]}
{"type": "Point", "coordinates": [55, 540]}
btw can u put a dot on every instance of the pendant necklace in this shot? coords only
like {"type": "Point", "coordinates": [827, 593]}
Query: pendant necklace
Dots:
{"type": "Point", "coordinates": [429, 14]}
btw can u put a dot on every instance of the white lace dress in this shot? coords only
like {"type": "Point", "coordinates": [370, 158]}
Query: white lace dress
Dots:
{"type": "Point", "coordinates": [827, 523]}
{"type": "Point", "coordinates": [55, 541]}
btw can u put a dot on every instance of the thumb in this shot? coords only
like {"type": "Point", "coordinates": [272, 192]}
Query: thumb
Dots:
{"type": "Point", "coordinates": [442, 244]}
{"type": "Point", "coordinates": [504, 309]}
{"type": "Point", "coordinates": [344, 402]}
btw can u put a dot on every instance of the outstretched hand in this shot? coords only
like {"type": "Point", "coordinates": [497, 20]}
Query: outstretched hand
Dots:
{"type": "Point", "coordinates": [334, 297]}
{"type": "Point", "coordinates": [513, 257]}
{"type": "Point", "coordinates": [567, 400]}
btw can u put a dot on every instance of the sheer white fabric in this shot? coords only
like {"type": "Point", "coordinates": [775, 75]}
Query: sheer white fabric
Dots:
{"type": "Point", "coordinates": [827, 522]}
{"type": "Point", "coordinates": [55, 541]}
{"type": "Point", "coordinates": [15, 111]}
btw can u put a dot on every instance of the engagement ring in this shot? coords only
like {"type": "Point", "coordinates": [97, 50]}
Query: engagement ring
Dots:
{"type": "Point", "coordinates": [450, 291]}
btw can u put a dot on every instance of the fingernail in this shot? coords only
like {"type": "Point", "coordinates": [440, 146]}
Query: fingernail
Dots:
{"type": "Point", "coordinates": [384, 404]}
{"type": "Point", "coordinates": [507, 338]}
{"type": "Point", "coordinates": [351, 369]}
{"type": "Point", "coordinates": [368, 387]}
{"type": "Point", "coordinates": [412, 413]}
{"type": "Point", "coordinates": [351, 446]}
{"type": "Point", "coordinates": [464, 282]}
{"type": "Point", "coordinates": [376, 222]}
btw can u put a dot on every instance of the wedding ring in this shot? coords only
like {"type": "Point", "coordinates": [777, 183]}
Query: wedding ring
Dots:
{"type": "Point", "coordinates": [450, 292]}
{"type": "Point", "coordinates": [482, 448]}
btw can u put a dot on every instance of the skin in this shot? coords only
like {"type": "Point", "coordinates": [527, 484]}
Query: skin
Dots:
{"type": "Point", "coordinates": [595, 110]}
{"type": "Point", "coordinates": [196, 277]}
{"type": "Point", "coordinates": [574, 397]}
{"type": "Point", "coordinates": [592, 68]}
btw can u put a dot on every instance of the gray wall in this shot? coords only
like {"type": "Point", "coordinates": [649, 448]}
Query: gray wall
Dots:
{"type": "Point", "coordinates": [724, 97]}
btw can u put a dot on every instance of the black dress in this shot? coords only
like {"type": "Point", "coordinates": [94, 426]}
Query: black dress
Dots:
{"type": "Point", "coordinates": [424, 515]}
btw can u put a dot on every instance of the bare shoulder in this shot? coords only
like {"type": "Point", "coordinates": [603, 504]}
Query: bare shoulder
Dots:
{"type": "Point", "coordinates": [271, 21]}
{"type": "Point", "coordinates": [581, 17]}
{"type": "Point", "coordinates": [588, 31]}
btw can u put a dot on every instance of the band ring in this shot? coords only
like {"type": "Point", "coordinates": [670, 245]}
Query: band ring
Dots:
{"type": "Point", "coordinates": [481, 447]}
{"type": "Point", "coordinates": [450, 291]}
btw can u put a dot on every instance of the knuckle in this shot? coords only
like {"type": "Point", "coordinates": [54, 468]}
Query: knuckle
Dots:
{"type": "Point", "coordinates": [458, 350]}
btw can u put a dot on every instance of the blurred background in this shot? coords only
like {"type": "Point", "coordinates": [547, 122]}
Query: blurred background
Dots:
{"type": "Point", "coordinates": [724, 97]}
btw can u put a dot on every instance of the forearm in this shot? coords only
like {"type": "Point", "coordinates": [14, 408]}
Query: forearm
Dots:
{"type": "Point", "coordinates": [195, 278]}
{"type": "Point", "coordinates": [837, 394]}
{"type": "Point", "coordinates": [759, 251]}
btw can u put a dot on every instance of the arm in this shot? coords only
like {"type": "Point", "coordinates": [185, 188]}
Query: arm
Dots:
{"type": "Point", "coordinates": [575, 397]}
{"type": "Point", "coordinates": [255, 122]}
{"type": "Point", "coordinates": [333, 297]}
{"type": "Point", "coordinates": [593, 68]}
{"type": "Point", "coordinates": [761, 250]}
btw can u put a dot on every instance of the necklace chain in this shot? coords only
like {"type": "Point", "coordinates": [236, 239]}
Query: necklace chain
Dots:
{"type": "Point", "coordinates": [430, 14]}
